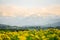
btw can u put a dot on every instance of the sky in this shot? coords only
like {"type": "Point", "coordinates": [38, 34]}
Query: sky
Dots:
{"type": "Point", "coordinates": [27, 8]}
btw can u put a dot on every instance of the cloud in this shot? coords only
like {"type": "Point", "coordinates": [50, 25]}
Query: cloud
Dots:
{"type": "Point", "coordinates": [14, 11]}
{"type": "Point", "coordinates": [21, 11]}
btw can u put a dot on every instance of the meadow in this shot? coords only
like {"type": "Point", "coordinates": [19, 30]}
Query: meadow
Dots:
{"type": "Point", "coordinates": [48, 34]}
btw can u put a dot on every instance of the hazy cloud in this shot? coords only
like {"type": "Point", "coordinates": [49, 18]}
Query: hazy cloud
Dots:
{"type": "Point", "coordinates": [21, 11]}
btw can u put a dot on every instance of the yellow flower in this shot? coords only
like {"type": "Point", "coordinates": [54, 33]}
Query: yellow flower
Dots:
{"type": "Point", "coordinates": [43, 36]}
{"type": "Point", "coordinates": [31, 34]}
{"type": "Point", "coordinates": [37, 36]}
{"type": "Point", "coordinates": [22, 37]}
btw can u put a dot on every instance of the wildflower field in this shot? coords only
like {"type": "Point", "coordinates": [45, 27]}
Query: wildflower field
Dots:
{"type": "Point", "coordinates": [49, 34]}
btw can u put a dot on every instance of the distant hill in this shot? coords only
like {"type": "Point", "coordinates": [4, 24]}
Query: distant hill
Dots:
{"type": "Point", "coordinates": [3, 26]}
{"type": "Point", "coordinates": [56, 24]}
{"type": "Point", "coordinates": [53, 24]}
